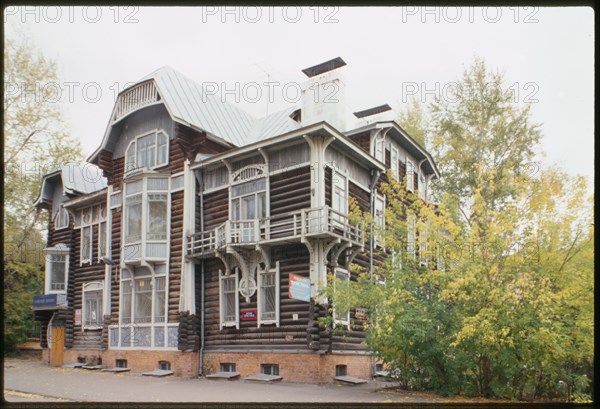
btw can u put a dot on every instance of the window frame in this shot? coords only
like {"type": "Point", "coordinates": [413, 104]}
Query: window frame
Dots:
{"type": "Point", "coordinates": [93, 286]}
{"type": "Point", "coordinates": [410, 175]}
{"type": "Point", "coordinates": [394, 163]}
{"type": "Point", "coordinates": [135, 249]}
{"type": "Point", "coordinates": [379, 149]}
{"type": "Point", "coordinates": [379, 198]}
{"type": "Point", "coordinates": [58, 250]}
{"type": "Point", "coordinates": [259, 300]}
{"type": "Point", "coordinates": [131, 280]}
{"type": "Point", "coordinates": [336, 274]}
{"type": "Point", "coordinates": [61, 218]}
{"type": "Point", "coordinates": [134, 145]}
{"type": "Point", "coordinates": [222, 277]}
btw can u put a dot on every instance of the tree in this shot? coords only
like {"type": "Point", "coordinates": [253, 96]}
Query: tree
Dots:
{"type": "Point", "coordinates": [413, 121]}
{"type": "Point", "coordinates": [35, 142]}
{"type": "Point", "coordinates": [511, 313]}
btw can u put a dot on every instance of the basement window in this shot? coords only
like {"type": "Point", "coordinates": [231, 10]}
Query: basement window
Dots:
{"type": "Point", "coordinates": [341, 370]}
{"type": "Point", "coordinates": [164, 365]}
{"type": "Point", "coordinates": [269, 369]}
{"type": "Point", "coordinates": [227, 367]}
{"type": "Point", "coordinates": [121, 363]}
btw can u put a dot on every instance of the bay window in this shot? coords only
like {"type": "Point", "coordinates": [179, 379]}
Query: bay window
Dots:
{"type": "Point", "coordinates": [146, 219]}
{"type": "Point", "coordinates": [147, 151]}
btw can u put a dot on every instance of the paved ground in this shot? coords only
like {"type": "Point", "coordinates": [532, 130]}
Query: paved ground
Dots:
{"type": "Point", "coordinates": [31, 381]}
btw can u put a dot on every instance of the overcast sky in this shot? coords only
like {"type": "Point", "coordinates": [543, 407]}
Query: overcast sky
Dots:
{"type": "Point", "coordinates": [392, 54]}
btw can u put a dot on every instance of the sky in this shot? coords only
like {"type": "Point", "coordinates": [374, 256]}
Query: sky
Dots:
{"type": "Point", "coordinates": [393, 54]}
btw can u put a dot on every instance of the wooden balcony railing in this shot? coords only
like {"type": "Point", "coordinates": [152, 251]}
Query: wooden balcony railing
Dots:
{"type": "Point", "coordinates": [288, 227]}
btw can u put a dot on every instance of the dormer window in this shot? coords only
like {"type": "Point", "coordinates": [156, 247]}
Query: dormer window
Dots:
{"type": "Point", "coordinates": [147, 151]}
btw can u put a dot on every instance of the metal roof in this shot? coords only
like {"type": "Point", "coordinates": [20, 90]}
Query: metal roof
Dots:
{"type": "Point", "coordinates": [188, 102]}
{"type": "Point", "coordinates": [77, 179]}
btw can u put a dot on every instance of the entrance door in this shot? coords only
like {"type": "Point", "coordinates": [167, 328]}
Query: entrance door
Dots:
{"type": "Point", "coordinates": [57, 346]}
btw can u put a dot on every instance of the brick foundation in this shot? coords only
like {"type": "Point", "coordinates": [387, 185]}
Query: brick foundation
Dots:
{"type": "Point", "coordinates": [309, 367]}
{"type": "Point", "coordinates": [293, 367]}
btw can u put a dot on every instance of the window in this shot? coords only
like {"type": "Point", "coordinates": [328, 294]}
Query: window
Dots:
{"type": "Point", "coordinates": [229, 299]}
{"type": "Point", "coordinates": [147, 152]}
{"type": "Point", "coordinates": [102, 240]}
{"type": "Point", "coordinates": [379, 151]}
{"type": "Point", "coordinates": [85, 221]}
{"type": "Point", "coordinates": [57, 266]}
{"type": "Point", "coordinates": [423, 247]}
{"type": "Point", "coordinates": [339, 317]}
{"type": "Point", "coordinates": [92, 305]}
{"type": "Point", "coordinates": [61, 220]}
{"type": "Point", "coordinates": [379, 219]}
{"type": "Point", "coordinates": [339, 195]}
{"type": "Point", "coordinates": [143, 295]}
{"type": "Point", "coordinates": [394, 162]}
{"type": "Point", "coordinates": [86, 245]}
{"type": "Point", "coordinates": [121, 363]}
{"type": "Point", "coordinates": [422, 187]}
{"type": "Point", "coordinates": [146, 219]}
{"type": "Point", "coordinates": [268, 296]}
{"type": "Point", "coordinates": [441, 261]}
{"type": "Point", "coordinates": [164, 365]}
{"type": "Point", "coordinates": [269, 369]}
{"type": "Point", "coordinates": [410, 175]}
{"type": "Point", "coordinates": [248, 203]}
{"type": "Point", "coordinates": [227, 367]}
{"type": "Point", "coordinates": [411, 232]}
{"type": "Point", "coordinates": [341, 370]}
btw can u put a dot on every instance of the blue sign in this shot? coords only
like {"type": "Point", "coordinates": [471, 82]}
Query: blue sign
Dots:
{"type": "Point", "coordinates": [299, 288]}
{"type": "Point", "coordinates": [45, 301]}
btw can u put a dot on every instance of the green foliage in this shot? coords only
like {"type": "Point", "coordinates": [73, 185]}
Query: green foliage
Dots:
{"type": "Point", "coordinates": [35, 142]}
{"type": "Point", "coordinates": [511, 314]}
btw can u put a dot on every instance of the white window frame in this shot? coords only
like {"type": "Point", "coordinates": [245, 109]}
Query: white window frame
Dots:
{"type": "Point", "coordinates": [136, 250]}
{"type": "Point", "coordinates": [379, 220]}
{"type": "Point", "coordinates": [103, 220]}
{"type": "Point", "coordinates": [342, 274]}
{"type": "Point", "coordinates": [58, 250]}
{"type": "Point", "coordinates": [61, 219]}
{"type": "Point", "coordinates": [422, 186]}
{"type": "Point", "coordinates": [379, 149]}
{"type": "Point", "coordinates": [132, 166]}
{"type": "Point", "coordinates": [85, 230]}
{"type": "Point", "coordinates": [411, 235]}
{"type": "Point", "coordinates": [88, 288]}
{"type": "Point", "coordinates": [152, 275]}
{"type": "Point", "coordinates": [232, 275]}
{"type": "Point", "coordinates": [339, 183]}
{"type": "Point", "coordinates": [394, 160]}
{"type": "Point", "coordinates": [410, 175]}
{"type": "Point", "coordinates": [259, 301]}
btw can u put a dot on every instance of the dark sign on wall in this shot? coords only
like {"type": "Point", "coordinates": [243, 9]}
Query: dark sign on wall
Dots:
{"type": "Point", "coordinates": [248, 314]}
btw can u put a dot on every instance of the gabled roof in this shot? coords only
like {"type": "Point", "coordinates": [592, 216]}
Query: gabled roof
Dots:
{"type": "Point", "coordinates": [407, 142]}
{"type": "Point", "coordinates": [76, 178]}
{"type": "Point", "coordinates": [189, 104]}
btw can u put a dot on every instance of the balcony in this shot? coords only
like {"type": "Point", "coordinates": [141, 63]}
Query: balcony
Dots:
{"type": "Point", "coordinates": [291, 227]}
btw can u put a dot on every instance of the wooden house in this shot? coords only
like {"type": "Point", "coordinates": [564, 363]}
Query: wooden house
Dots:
{"type": "Point", "coordinates": [197, 237]}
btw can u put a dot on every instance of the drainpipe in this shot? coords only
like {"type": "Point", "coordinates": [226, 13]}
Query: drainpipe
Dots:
{"type": "Point", "coordinates": [374, 179]}
{"type": "Point", "coordinates": [201, 352]}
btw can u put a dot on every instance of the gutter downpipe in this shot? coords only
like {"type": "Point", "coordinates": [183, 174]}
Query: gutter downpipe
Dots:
{"type": "Point", "coordinates": [201, 352]}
